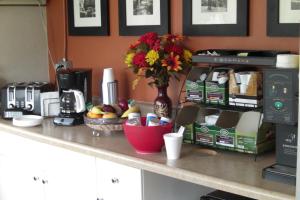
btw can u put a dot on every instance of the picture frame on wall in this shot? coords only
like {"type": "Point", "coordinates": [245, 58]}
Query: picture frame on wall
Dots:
{"type": "Point", "coordinates": [283, 18]}
{"type": "Point", "coordinates": [88, 17]}
{"type": "Point", "coordinates": [137, 17]}
{"type": "Point", "coordinates": [215, 17]}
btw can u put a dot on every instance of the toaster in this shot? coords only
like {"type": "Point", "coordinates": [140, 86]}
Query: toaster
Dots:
{"type": "Point", "coordinates": [21, 97]}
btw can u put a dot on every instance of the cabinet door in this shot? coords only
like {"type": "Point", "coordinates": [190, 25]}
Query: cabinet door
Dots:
{"type": "Point", "coordinates": [19, 179]}
{"type": "Point", "coordinates": [69, 175]}
{"type": "Point", "coordinates": [116, 181]}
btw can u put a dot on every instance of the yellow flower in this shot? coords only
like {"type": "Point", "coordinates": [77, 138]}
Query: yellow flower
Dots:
{"type": "Point", "coordinates": [129, 58]}
{"type": "Point", "coordinates": [187, 55]}
{"type": "Point", "coordinates": [152, 57]}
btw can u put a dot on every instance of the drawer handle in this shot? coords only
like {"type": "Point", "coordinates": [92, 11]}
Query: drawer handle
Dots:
{"type": "Point", "coordinates": [115, 180]}
{"type": "Point", "coordinates": [36, 178]}
{"type": "Point", "coordinates": [100, 199]}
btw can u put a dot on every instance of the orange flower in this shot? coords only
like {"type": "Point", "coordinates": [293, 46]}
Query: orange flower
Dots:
{"type": "Point", "coordinates": [172, 63]}
{"type": "Point", "coordinates": [133, 46]}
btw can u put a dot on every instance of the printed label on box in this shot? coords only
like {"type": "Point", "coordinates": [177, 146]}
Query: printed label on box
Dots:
{"type": "Point", "coordinates": [195, 90]}
{"type": "Point", "coordinates": [225, 138]}
{"type": "Point", "coordinates": [188, 136]}
{"type": "Point", "coordinates": [205, 135]}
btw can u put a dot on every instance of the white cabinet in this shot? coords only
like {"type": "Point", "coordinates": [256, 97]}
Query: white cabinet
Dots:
{"type": "Point", "coordinates": [36, 171]}
{"type": "Point", "coordinates": [115, 181]}
{"type": "Point", "coordinates": [69, 175]}
{"type": "Point", "coordinates": [19, 179]}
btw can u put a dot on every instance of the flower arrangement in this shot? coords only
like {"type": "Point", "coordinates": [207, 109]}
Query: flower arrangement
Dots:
{"type": "Point", "coordinates": [158, 58]}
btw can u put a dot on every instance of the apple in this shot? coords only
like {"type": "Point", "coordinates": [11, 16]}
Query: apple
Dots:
{"type": "Point", "coordinates": [123, 104]}
{"type": "Point", "coordinates": [118, 109]}
{"type": "Point", "coordinates": [108, 108]}
{"type": "Point", "coordinates": [109, 115]}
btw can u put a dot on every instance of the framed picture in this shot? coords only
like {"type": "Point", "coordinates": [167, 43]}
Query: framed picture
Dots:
{"type": "Point", "coordinates": [283, 18]}
{"type": "Point", "coordinates": [137, 17]}
{"type": "Point", "coordinates": [215, 17]}
{"type": "Point", "coordinates": [88, 17]}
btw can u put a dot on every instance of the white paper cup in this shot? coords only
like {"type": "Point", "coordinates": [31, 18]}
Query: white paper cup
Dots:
{"type": "Point", "coordinates": [215, 76]}
{"type": "Point", "coordinates": [108, 75]}
{"type": "Point", "coordinates": [243, 88]}
{"type": "Point", "coordinates": [173, 142]}
{"type": "Point", "coordinates": [245, 78]}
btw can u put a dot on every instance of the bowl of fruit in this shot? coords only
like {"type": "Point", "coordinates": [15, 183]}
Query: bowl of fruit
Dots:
{"type": "Point", "coordinates": [106, 118]}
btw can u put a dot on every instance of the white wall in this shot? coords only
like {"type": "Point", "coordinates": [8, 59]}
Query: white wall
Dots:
{"type": "Point", "coordinates": [23, 45]}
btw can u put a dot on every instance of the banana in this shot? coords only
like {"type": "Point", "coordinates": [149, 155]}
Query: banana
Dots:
{"type": "Point", "coordinates": [133, 109]}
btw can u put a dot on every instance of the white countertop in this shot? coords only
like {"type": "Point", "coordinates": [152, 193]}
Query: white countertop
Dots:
{"type": "Point", "coordinates": [229, 171]}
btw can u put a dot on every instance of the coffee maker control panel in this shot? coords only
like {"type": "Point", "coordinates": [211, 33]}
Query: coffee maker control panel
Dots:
{"type": "Point", "coordinates": [281, 96]}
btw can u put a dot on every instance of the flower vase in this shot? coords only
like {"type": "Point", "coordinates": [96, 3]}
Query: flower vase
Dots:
{"type": "Point", "coordinates": [162, 103]}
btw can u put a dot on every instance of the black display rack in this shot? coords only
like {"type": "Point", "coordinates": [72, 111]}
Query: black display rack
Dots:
{"type": "Point", "coordinates": [237, 57]}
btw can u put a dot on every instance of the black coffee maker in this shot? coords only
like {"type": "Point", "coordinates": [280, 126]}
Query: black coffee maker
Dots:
{"type": "Point", "coordinates": [76, 79]}
{"type": "Point", "coordinates": [75, 91]}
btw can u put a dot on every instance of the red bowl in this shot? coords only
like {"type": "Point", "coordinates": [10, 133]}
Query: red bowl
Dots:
{"type": "Point", "coordinates": [146, 139]}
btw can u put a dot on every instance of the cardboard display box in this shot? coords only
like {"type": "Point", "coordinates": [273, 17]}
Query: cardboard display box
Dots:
{"type": "Point", "coordinates": [243, 132]}
{"type": "Point", "coordinates": [245, 95]}
{"type": "Point", "coordinates": [195, 85]}
{"type": "Point", "coordinates": [216, 93]}
{"type": "Point", "coordinates": [186, 117]}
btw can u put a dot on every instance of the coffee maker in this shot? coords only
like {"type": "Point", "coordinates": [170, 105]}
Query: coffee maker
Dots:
{"type": "Point", "coordinates": [74, 87]}
{"type": "Point", "coordinates": [281, 92]}
{"type": "Point", "coordinates": [76, 79]}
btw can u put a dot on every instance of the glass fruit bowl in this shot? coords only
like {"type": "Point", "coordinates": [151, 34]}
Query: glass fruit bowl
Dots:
{"type": "Point", "coordinates": [103, 125]}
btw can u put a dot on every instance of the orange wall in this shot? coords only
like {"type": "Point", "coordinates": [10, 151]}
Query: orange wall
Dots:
{"type": "Point", "coordinates": [98, 52]}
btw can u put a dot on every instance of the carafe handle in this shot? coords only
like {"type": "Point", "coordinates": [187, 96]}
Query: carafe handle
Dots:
{"type": "Point", "coordinates": [80, 104]}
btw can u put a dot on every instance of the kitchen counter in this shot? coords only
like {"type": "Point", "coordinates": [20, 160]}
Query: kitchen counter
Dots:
{"type": "Point", "coordinates": [228, 171]}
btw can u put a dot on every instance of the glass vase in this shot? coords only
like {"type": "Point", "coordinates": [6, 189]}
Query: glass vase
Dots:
{"type": "Point", "coordinates": [162, 103]}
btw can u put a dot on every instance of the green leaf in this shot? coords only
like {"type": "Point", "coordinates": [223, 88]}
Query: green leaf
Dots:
{"type": "Point", "coordinates": [149, 73]}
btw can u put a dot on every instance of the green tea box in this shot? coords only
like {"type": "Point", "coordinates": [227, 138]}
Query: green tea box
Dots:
{"type": "Point", "coordinates": [205, 135]}
{"type": "Point", "coordinates": [216, 87]}
{"type": "Point", "coordinates": [225, 136]}
{"type": "Point", "coordinates": [195, 84]}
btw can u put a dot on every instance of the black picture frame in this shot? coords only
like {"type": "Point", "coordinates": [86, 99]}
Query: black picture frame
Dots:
{"type": "Point", "coordinates": [161, 29]}
{"type": "Point", "coordinates": [89, 31]}
{"type": "Point", "coordinates": [274, 28]}
{"type": "Point", "coordinates": [238, 29]}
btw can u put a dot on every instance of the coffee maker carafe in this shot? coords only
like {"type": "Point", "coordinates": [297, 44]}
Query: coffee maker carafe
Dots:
{"type": "Point", "coordinates": [72, 108]}
{"type": "Point", "coordinates": [71, 102]}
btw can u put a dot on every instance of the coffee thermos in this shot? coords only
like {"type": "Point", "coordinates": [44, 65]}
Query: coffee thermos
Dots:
{"type": "Point", "coordinates": [109, 87]}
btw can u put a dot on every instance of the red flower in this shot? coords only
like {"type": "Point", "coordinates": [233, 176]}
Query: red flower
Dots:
{"type": "Point", "coordinates": [139, 60]}
{"type": "Point", "coordinates": [149, 39]}
{"type": "Point", "coordinates": [178, 50]}
{"type": "Point", "coordinates": [156, 45]}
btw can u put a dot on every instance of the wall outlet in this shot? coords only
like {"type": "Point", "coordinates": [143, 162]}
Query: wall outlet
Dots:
{"type": "Point", "coordinates": [64, 63]}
